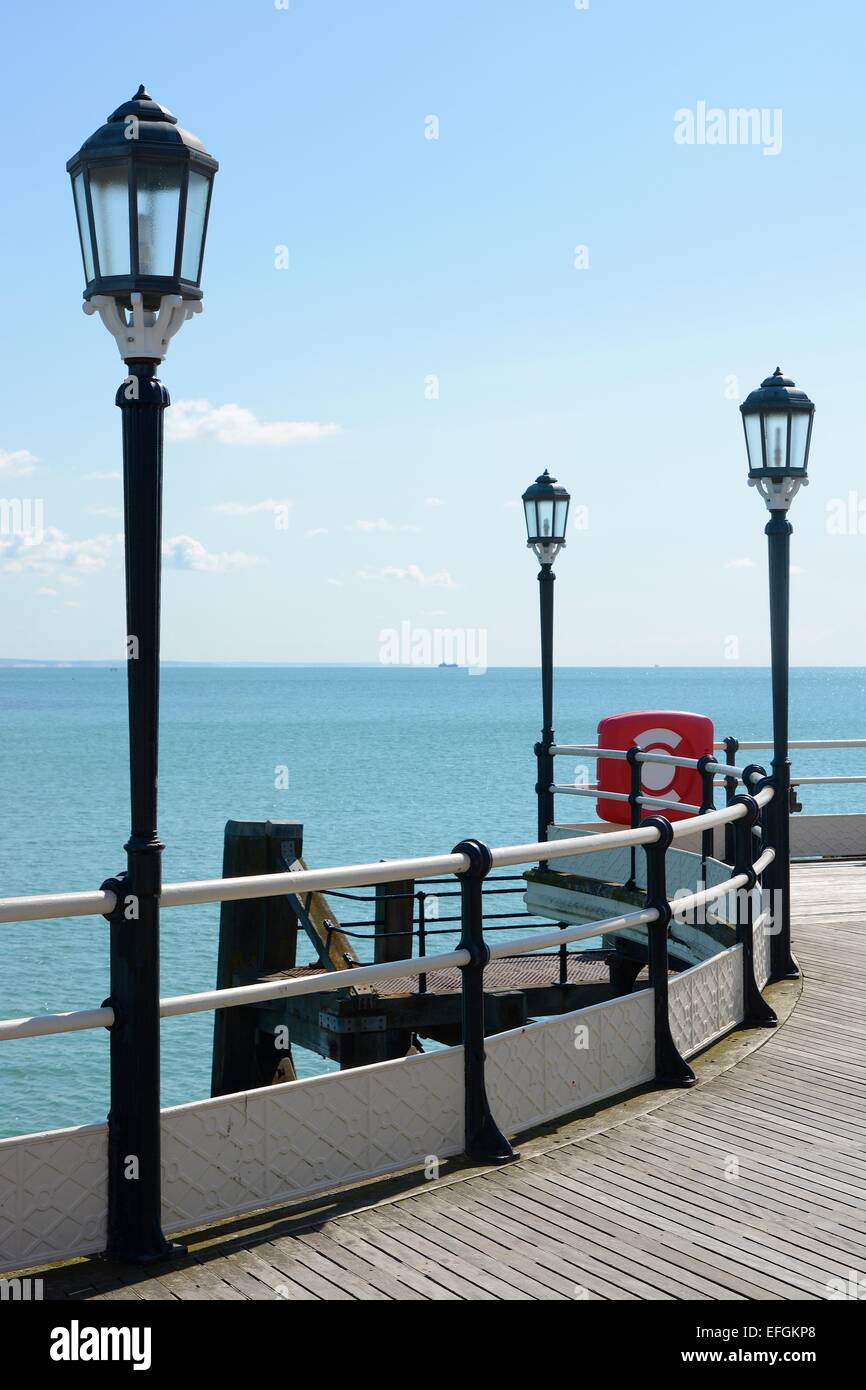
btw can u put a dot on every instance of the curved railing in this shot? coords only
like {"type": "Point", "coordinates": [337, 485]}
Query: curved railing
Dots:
{"type": "Point", "coordinates": [48, 907]}
{"type": "Point", "coordinates": [636, 1037]}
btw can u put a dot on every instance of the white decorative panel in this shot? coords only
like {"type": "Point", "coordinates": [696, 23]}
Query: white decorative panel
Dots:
{"type": "Point", "coordinates": [731, 1005]}
{"type": "Point", "coordinates": [762, 943]}
{"type": "Point", "coordinates": [235, 1153]}
{"type": "Point", "coordinates": [706, 1001]}
{"type": "Point", "coordinates": [52, 1195]}
{"type": "Point", "coordinates": [680, 1001]}
{"type": "Point", "coordinates": [257, 1148]}
{"type": "Point", "coordinates": [548, 1069]}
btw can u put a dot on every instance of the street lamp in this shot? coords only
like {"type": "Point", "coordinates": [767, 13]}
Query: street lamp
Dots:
{"type": "Point", "coordinates": [777, 419]}
{"type": "Point", "coordinates": [545, 505]}
{"type": "Point", "coordinates": [142, 189]}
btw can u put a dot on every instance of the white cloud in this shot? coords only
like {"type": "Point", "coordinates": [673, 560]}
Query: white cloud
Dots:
{"type": "Point", "coordinates": [434, 502]}
{"type": "Point", "coordinates": [742, 563]}
{"type": "Point", "coordinates": [47, 592]}
{"type": "Point", "coordinates": [113, 477]}
{"type": "Point", "coordinates": [234, 424]}
{"type": "Point", "coordinates": [186, 553]}
{"type": "Point", "coordinates": [316, 531]}
{"type": "Point", "coordinates": [798, 569]}
{"type": "Point", "coordinates": [439, 579]}
{"type": "Point", "coordinates": [337, 583]}
{"type": "Point", "coordinates": [380, 524]}
{"type": "Point", "coordinates": [271, 505]}
{"type": "Point", "coordinates": [18, 463]}
{"type": "Point", "coordinates": [51, 552]}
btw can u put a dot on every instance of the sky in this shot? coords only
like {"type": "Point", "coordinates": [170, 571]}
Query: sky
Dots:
{"type": "Point", "coordinates": [504, 253]}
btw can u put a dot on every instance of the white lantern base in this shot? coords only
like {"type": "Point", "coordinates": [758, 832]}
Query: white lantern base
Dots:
{"type": "Point", "coordinates": [545, 554]}
{"type": "Point", "coordinates": [145, 333]}
{"type": "Point", "coordinates": [778, 494]}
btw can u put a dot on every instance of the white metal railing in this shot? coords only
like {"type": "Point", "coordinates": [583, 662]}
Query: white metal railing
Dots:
{"type": "Point", "coordinates": [824, 781]}
{"type": "Point", "coordinates": [801, 743]}
{"type": "Point", "coordinates": [54, 906]}
{"type": "Point", "coordinates": [389, 871]}
{"type": "Point", "coordinates": [593, 750]}
{"type": "Point", "coordinates": [722, 770]}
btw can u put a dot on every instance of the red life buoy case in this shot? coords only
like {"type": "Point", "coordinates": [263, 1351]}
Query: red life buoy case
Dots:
{"type": "Point", "coordinates": [678, 732]}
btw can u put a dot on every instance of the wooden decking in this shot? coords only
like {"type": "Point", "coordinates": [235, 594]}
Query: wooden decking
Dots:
{"type": "Point", "coordinates": [750, 1186]}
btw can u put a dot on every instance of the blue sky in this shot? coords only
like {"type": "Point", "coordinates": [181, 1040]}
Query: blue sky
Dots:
{"type": "Point", "coordinates": [454, 258]}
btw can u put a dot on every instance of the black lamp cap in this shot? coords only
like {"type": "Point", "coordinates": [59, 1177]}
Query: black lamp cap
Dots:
{"type": "Point", "coordinates": [157, 134]}
{"type": "Point", "coordinates": [144, 107]}
{"type": "Point", "coordinates": [776, 393]}
{"type": "Point", "coordinates": [545, 488]}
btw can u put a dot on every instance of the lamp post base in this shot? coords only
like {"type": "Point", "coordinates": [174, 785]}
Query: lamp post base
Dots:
{"type": "Point", "coordinates": [133, 1255]}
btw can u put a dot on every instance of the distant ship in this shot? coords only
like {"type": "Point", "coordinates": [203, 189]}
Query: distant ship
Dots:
{"type": "Point", "coordinates": [448, 665]}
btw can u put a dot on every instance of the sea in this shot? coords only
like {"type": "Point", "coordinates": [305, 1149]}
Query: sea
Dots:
{"type": "Point", "coordinates": [377, 762]}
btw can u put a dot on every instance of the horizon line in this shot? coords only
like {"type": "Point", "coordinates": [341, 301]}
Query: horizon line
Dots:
{"type": "Point", "coordinates": [113, 663]}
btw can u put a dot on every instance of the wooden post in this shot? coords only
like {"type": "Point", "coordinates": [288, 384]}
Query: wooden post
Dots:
{"type": "Point", "coordinates": [395, 913]}
{"type": "Point", "coordinates": [258, 937]}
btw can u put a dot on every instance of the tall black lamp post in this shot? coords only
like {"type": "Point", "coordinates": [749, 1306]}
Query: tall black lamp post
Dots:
{"type": "Point", "coordinates": [142, 189]}
{"type": "Point", "coordinates": [545, 504]}
{"type": "Point", "coordinates": [778, 423]}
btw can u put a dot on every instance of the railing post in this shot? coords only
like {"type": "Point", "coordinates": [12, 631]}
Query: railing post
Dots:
{"type": "Point", "coordinates": [708, 803]}
{"type": "Point", "coordinates": [756, 1011]}
{"type": "Point", "coordinates": [422, 937]}
{"type": "Point", "coordinates": [563, 959]}
{"type": "Point", "coordinates": [754, 778]}
{"type": "Point", "coordinates": [671, 1068]}
{"type": "Point", "coordinates": [732, 747]}
{"type": "Point", "coordinates": [484, 1142]}
{"type": "Point", "coordinates": [776, 880]}
{"type": "Point", "coordinates": [634, 807]}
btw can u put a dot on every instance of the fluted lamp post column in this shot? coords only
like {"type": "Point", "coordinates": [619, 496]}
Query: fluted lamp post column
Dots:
{"type": "Point", "coordinates": [777, 419]}
{"type": "Point", "coordinates": [142, 190]}
{"type": "Point", "coordinates": [545, 506]}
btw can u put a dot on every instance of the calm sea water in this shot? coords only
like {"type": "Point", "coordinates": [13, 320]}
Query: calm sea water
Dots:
{"type": "Point", "coordinates": [381, 763]}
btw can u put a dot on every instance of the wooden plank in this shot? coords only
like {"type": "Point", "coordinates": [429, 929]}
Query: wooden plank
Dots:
{"type": "Point", "coordinates": [376, 1279]}
{"type": "Point", "coordinates": [530, 1253]}
{"type": "Point", "coordinates": [282, 1287]}
{"type": "Point", "coordinates": [284, 1255]}
{"type": "Point", "coordinates": [433, 1263]}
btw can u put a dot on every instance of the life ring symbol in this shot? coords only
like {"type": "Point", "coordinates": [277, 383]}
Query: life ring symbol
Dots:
{"type": "Point", "coordinates": [657, 779]}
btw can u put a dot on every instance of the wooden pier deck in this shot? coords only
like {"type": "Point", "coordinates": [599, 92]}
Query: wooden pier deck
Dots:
{"type": "Point", "coordinates": [750, 1186]}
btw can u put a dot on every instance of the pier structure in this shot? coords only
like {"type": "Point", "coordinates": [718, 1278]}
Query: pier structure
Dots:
{"type": "Point", "coordinates": [750, 1185]}
{"type": "Point", "coordinates": [283, 1145]}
